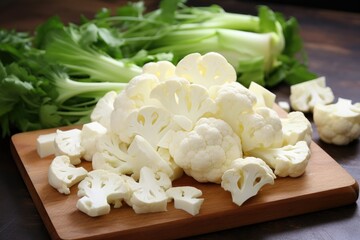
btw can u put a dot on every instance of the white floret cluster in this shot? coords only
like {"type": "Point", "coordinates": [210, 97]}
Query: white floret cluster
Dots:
{"type": "Point", "coordinates": [194, 118]}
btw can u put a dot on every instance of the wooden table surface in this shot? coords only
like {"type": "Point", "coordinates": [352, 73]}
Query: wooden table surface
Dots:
{"type": "Point", "coordinates": [332, 41]}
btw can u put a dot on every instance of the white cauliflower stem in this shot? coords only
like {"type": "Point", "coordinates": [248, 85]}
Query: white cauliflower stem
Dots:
{"type": "Point", "coordinates": [296, 127]}
{"type": "Point", "coordinates": [304, 96]}
{"type": "Point", "coordinates": [290, 160]}
{"type": "Point", "coordinates": [45, 145]}
{"type": "Point", "coordinates": [338, 123]}
{"type": "Point", "coordinates": [245, 178]}
{"type": "Point", "coordinates": [207, 151]}
{"type": "Point", "coordinates": [62, 174]}
{"type": "Point", "coordinates": [186, 198]}
{"type": "Point", "coordinates": [100, 189]}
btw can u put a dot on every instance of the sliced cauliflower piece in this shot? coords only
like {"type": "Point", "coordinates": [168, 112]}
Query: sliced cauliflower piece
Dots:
{"type": "Point", "coordinates": [100, 189]}
{"type": "Point", "coordinates": [62, 174]}
{"type": "Point", "coordinates": [304, 96]}
{"type": "Point", "coordinates": [90, 133]}
{"type": "Point", "coordinates": [290, 160]}
{"type": "Point", "coordinates": [69, 143]}
{"type": "Point", "coordinates": [245, 178]}
{"type": "Point", "coordinates": [184, 99]}
{"type": "Point", "coordinates": [264, 97]}
{"type": "Point", "coordinates": [207, 70]}
{"type": "Point", "coordinates": [260, 129]}
{"type": "Point", "coordinates": [186, 198]}
{"type": "Point", "coordinates": [338, 123]}
{"type": "Point", "coordinates": [103, 109]}
{"type": "Point", "coordinates": [149, 194]}
{"type": "Point", "coordinates": [45, 144]}
{"type": "Point", "coordinates": [207, 151]}
{"type": "Point", "coordinates": [296, 127]}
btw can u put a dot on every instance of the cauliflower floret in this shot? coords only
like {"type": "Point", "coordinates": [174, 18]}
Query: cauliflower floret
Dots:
{"type": "Point", "coordinates": [183, 99]}
{"type": "Point", "coordinates": [296, 127]}
{"type": "Point", "coordinates": [290, 160]}
{"type": "Point", "coordinates": [69, 143]}
{"type": "Point", "coordinates": [338, 123]}
{"type": "Point", "coordinates": [264, 97]}
{"type": "Point", "coordinates": [260, 129]}
{"type": "Point", "coordinates": [245, 178]}
{"type": "Point", "coordinates": [163, 70]}
{"type": "Point", "coordinates": [135, 95]}
{"type": "Point", "coordinates": [232, 99]}
{"type": "Point", "coordinates": [207, 151]}
{"type": "Point", "coordinates": [207, 70]}
{"type": "Point", "coordinates": [304, 96]}
{"type": "Point", "coordinates": [186, 198]}
{"type": "Point", "coordinates": [90, 133]}
{"type": "Point", "coordinates": [100, 189]}
{"type": "Point", "coordinates": [62, 174]}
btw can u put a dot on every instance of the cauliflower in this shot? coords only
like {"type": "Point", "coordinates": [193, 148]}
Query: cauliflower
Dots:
{"type": "Point", "coordinates": [290, 160]}
{"type": "Point", "coordinates": [150, 122]}
{"type": "Point", "coordinates": [149, 194]}
{"type": "Point", "coordinates": [103, 109]}
{"type": "Point", "coordinates": [90, 133]}
{"type": "Point", "coordinates": [207, 151]}
{"type": "Point", "coordinates": [163, 70]}
{"type": "Point", "coordinates": [208, 70]}
{"type": "Point", "coordinates": [100, 189]}
{"type": "Point", "coordinates": [296, 127]}
{"type": "Point", "coordinates": [264, 97]}
{"type": "Point", "coordinates": [260, 129]}
{"type": "Point", "coordinates": [114, 158]}
{"type": "Point", "coordinates": [135, 95]}
{"type": "Point", "coordinates": [338, 123]}
{"type": "Point", "coordinates": [304, 96]}
{"type": "Point", "coordinates": [186, 198]}
{"type": "Point", "coordinates": [181, 98]}
{"type": "Point", "coordinates": [245, 178]}
{"type": "Point", "coordinates": [69, 143]}
{"type": "Point", "coordinates": [45, 144]}
{"type": "Point", "coordinates": [232, 100]}
{"type": "Point", "coordinates": [62, 174]}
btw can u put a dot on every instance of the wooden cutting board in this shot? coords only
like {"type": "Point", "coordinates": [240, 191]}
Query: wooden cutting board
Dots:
{"type": "Point", "coordinates": [325, 184]}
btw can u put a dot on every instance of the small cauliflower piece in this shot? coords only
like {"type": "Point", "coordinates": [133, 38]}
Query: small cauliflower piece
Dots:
{"type": "Point", "coordinates": [338, 123]}
{"type": "Point", "coordinates": [290, 160]}
{"type": "Point", "coordinates": [264, 97]}
{"type": "Point", "coordinates": [260, 129]}
{"type": "Point", "coordinates": [296, 127]}
{"type": "Point", "coordinates": [69, 143]}
{"type": "Point", "coordinates": [90, 133]}
{"type": "Point", "coordinates": [284, 106]}
{"type": "Point", "coordinates": [245, 178]}
{"type": "Point", "coordinates": [62, 174]}
{"type": "Point", "coordinates": [232, 100]}
{"type": "Point", "coordinates": [45, 144]}
{"type": "Point", "coordinates": [186, 198]}
{"type": "Point", "coordinates": [100, 189]}
{"type": "Point", "coordinates": [149, 194]}
{"type": "Point", "coordinates": [207, 151]}
{"type": "Point", "coordinates": [103, 109]}
{"type": "Point", "coordinates": [208, 70]}
{"type": "Point", "coordinates": [304, 96]}
{"type": "Point", "coordinates": [163, 70]}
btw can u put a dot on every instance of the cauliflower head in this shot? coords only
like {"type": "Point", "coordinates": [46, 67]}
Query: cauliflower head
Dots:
{"type": "Point", "coordinates": [207, 151]}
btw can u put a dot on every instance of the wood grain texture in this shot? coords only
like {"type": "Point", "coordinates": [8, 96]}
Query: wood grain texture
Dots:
{"type": "Point", "coordinates": [324, 185]}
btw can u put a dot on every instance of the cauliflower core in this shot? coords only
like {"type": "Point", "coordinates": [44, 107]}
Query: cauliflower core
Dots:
{"type": "Point", "coordinates": [207, 151]}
